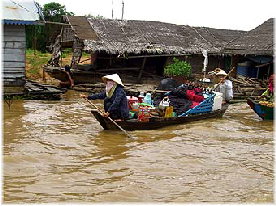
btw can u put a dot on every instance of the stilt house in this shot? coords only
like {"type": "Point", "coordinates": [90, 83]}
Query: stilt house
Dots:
{"type": "Point", "coordinates": [16, 15]}
{"type": "Point", "coordinates": [252, 53]}
{"type": "Point", "coordinates": [143, 46]}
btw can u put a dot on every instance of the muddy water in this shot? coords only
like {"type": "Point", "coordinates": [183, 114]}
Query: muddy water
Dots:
{"type": "Point", "coordinates": [55, 151]}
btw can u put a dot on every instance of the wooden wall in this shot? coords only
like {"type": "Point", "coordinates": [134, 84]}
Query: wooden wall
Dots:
{"type": "Point", "coordinates": [14, 46]}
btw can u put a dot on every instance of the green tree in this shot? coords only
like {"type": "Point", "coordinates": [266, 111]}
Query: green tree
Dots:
{"type": "Point", "coordinates": [38, 35]}
{"type": "Point", "coordinates": [54, 11]}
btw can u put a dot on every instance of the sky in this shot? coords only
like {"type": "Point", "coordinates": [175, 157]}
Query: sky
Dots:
{"type": "Point", "coordinates": [220, 14]}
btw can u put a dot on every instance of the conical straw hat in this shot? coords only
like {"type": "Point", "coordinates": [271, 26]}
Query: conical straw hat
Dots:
{"type": "Point", "coordinates": [221, 72]}
{"type": "Point", "coordinates": [114, 77]}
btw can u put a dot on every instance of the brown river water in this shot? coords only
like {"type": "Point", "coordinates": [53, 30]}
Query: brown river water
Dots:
{"type": "Point", "coordinates": [56, 152]}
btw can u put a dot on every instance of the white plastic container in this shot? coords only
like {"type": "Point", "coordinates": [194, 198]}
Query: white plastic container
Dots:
{"type": "Point", "coordinates": [164, 103]}
{"type": "Point", "coordinates": [217, 101]}
{"type": "Point", "coordinates": [147, 98]}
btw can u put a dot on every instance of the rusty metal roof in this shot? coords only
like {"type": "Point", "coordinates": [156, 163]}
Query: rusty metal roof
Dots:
{"type": "Point", "coordinates": [19, 12]}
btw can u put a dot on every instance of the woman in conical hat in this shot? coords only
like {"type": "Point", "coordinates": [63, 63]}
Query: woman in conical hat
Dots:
{"type": "Point", "coordinates": [115, 100]}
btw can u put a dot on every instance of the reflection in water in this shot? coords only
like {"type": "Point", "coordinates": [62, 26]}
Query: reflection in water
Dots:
{"type": "Point", "coordinates": [55, 151]}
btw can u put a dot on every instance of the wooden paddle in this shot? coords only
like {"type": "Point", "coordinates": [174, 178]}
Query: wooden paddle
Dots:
{"type": "Point", "coordinates": [115, 123]}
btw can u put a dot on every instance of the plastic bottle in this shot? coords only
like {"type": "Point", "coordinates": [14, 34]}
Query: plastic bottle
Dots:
{"type": "Point", "coordinates": [141, 97]}
{"type": "Point", "coordinates": [169, 111]}
{"type": "Point", "coordinates": [147, 98]}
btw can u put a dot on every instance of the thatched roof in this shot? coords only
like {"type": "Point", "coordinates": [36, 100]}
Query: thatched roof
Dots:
{"type": "Point", "coordinates": [256, 41]}
{"type": "Point", "coordinates": [219, 37]}
{"type": "Point", "coordinates": [82, 27]}
{"type": "Point", "coordinates": [148, 37]}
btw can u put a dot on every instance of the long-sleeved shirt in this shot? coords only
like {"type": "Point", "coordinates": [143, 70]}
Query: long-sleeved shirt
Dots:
{"type": "Point", "coordinates": [116, 105]}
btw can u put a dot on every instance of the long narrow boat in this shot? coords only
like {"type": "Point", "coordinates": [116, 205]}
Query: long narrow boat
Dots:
{"type": "Point", "coordinates": [156, 122]}
{"type": "Point", "coordinates": [263, 111]}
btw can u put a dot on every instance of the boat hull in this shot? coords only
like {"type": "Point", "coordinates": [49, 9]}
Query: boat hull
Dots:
{"type": "Point", "coordinates": [79, 76]}
{"type": "Point", "coordinates": [264, 112]}
{"type": "Point", "coordinates": [155, 123]}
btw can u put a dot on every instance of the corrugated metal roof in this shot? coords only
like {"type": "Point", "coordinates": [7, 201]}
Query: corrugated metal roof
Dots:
{"type": "Point", "coordinates": [19, 11]}
{"type": "Point", "coordinates": [17, 22]}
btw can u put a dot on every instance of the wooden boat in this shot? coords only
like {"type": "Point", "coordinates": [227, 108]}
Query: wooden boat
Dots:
{"type": "Point", "coordinates": [80, 75]}
{"type": "Point", "coordinates": [263, 111]}
{"type": "Point", "coordinates": [84, 74]}
{"type": "Point", "coordinates": [155, 122]}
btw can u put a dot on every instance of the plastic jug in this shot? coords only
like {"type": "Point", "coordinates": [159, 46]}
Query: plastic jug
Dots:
{"type": "Point", "coordinates": [169, 111]}
{"type": "Point", "coordinates": [147, 98]}
{"type": "Point", "coordinates": [131, 101]}
{"type": "Point", "coordinates": [217, 101]}
{"type": "Point", "coordinates": [141, 97]}
{"type": "Point", "coordinates": [164, 103]}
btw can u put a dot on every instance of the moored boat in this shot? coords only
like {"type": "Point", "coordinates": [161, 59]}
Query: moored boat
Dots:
{"type": "Point", "coordinates": [81, 76]}
{"type": "Point", "coordinates": [266, 112]}
{"type": "Point", "coordinates": [156, 122]}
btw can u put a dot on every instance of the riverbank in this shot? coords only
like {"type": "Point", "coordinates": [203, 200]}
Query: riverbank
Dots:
{"type": "Point", "coordinates": [35, 60]}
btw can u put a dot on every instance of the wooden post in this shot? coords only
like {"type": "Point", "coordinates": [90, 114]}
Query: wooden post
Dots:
{"type": "Point", "coordinates": [258, 71]}
{"type": "Point", "coordinates": [268, 71]}
{"type": "Point", "coordinates": [43, 75]}
{"type": "Point", "coordinates": [110, 60]}
{"type": "Point", "coordinates": [61, 33]}
{"type": "Point", "coordinates": [141, 69]}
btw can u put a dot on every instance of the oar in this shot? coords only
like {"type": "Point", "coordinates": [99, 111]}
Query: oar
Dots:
{"type": "Point", "coordinates": [115, 123]}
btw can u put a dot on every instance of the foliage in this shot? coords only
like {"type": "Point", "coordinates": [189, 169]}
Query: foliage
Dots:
{"type": "Point", "coordinates": [178, 68]}
{"type": "Point", "coordinates": [36, 38]}
{"type": "Point", "coordinates": [35, 60]}
{"type": "Point", "coordinates": [54, 11]}
{"type": "Point", "coordinates": [38, 35]}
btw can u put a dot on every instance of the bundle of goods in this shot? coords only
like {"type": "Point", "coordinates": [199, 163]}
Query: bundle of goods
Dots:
{"type": "Point", "coordinates": [204, 107]}
{"type": "Point", "coordinates": [267, 103]}
{"type": "Point", "coordinates": [141, 107]}
{"type": "Point", "coordinates": [183, 98]}
{"type": "Point", "coordinates": [181, 101]}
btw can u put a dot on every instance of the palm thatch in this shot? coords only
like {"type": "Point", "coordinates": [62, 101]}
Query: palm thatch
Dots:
{"type": "Point", "coordinates": [148, 37]}
{"type": "Point", "coordinates": [258, 41]}
{"type": "Point", "coordinates": [219, 37]}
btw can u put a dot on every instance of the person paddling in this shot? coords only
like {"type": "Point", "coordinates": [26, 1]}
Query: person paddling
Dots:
{"type": "Point", "coordinates": [115, 100]}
